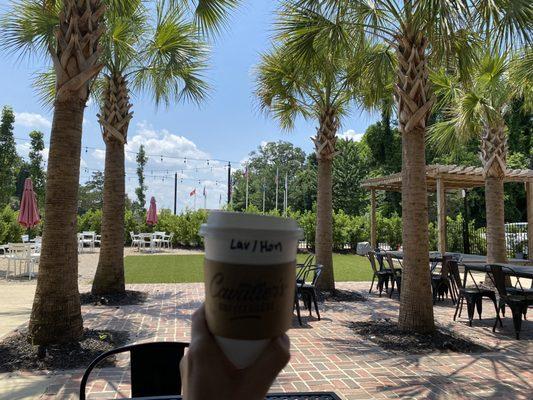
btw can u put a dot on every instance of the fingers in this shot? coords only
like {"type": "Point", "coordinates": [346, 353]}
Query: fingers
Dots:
{"type": "Point", "coordinates": [270, 363]}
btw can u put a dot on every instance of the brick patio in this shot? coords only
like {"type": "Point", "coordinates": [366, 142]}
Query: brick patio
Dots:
{"type": "Point", "coordinates": [326, 355]}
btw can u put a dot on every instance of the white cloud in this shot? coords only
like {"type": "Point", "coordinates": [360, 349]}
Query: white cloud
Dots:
{"type": "Point", "coordinates": [167, 152]}
{"type": "Point", "coordinates": [99, 154]}
{"type": "Point", "coordinates": [23, 150]}
{"type": "Point", "coordinates": [350, 134]}
{"type": "Point", "coordinates": [32, 120]}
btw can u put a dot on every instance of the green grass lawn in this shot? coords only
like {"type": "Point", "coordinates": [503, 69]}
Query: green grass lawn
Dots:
{"type": "Point", "coordinates": [189, 268]}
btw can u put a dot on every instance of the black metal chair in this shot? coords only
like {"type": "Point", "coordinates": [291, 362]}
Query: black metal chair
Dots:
{"type": "Point", "coordinates": [155, 368]}
{"type": "Point", "coordinates": [308, 290]}
{"type": "Point", "coordinates": [518, 301]}
{"type": "Point", "coordinates": [440, 283]}
{"type": "Point", "coordinates": [472, 294]}
{"type": "Point", "coordinates": [396, 275]}
{"type": "Point", "coordinates": [383, 275]}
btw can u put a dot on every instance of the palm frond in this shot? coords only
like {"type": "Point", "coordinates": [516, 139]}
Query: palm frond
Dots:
{"type": "Point", "coordinates": [28, 27]}
{"type": "Point", "coordinates": [506, 23]}
{"type": "Point", "coordinates": [174, 60]}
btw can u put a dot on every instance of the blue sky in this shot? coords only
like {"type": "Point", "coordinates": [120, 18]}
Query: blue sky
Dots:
{"type": "Point", "coordinates": [227, 126]}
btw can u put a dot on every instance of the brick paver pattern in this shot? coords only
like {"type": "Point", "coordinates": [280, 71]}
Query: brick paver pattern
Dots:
{"type": "Point", "coordinates": [327, 355]}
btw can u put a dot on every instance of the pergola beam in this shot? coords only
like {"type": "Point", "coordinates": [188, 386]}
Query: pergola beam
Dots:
{"type": "Point", "coordinates": [441, 215]}
{"type": "Point", "coordinates": [529, 192]}
{"type": "Point", "coordinates": [373, 227]}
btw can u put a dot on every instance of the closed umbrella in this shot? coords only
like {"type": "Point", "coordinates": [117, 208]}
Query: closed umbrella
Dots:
{"type": "Point", "coordinates": [29, 213]}
{"type": "Point", "coordinates": [151, 216]}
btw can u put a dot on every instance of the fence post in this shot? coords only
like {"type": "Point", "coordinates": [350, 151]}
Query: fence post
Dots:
{"type": "Point", "coordinates": [466, 227]}
{"type": "Point", "coordinates": [441, 215]}
{"type": "Point", "coordinates": [373, 229]}
{"type": "Point", "coordinates": [529, 191]}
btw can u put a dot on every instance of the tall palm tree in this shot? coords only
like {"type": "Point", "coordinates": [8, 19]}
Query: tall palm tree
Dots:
{"type": "Point", "coordinates": [73, 48]}
{"type": "Point", "coordinates": [422, 32]}
{"type": "Point", "coordinates": [70, 31]}
{"type": "Point", "coordinates": [476, 107]}
{"type": "Point", "coordinates": [163, 57]}
{"type": "Point", "coordinates": [321, 88]}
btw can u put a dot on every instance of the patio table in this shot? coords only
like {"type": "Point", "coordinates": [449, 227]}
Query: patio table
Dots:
{"type": "Point", "coordinates": [520, 271]}
{"type": "Point", "coordinates": [270, 396]}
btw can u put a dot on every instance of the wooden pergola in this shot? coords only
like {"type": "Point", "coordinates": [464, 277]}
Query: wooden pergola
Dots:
{"type": "Point", "coordinates": [443, 178]}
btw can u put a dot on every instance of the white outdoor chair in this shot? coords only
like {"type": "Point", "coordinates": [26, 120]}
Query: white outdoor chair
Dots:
{"type": "Point", "coordinates": [167, 240]}
{"type": "Point", "coordinates": [135, 240]}
{"type": "Point", "coordinates": [98, 240]}
{"type": "Point", "coordinates": [157, 239]}
{"type": "Point", "coordinates": [88, 238]}
{"type": "Point", "coordinates": [20, 257]}
{"type": "Point", "coordinates": [25, 238]}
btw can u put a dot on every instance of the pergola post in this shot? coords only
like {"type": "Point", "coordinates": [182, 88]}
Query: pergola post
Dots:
{"type": "Point", "coordinates": [373, 228]}
{"type": "Point", "coordinates": [529, 192]}
{"type": "Point", "coordinates": [441, 215]}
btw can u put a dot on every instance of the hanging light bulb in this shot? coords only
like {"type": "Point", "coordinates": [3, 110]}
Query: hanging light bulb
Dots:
{"type": "Point", "coordinates": [161, 158]}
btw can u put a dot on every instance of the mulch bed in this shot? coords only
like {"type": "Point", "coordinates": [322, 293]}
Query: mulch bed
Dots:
{"type": "Point", "coordinates": [386, 334]}
{"type": "Point", "coordinates": [128, 298]}
{"type": "Point", "coordinates": [16, 353]}
{"type": "Point", "coordinates": [340, 295]}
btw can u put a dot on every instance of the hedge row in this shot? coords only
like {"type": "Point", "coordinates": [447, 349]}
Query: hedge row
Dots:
{"type": "Point", "coordinates": [347, 230]}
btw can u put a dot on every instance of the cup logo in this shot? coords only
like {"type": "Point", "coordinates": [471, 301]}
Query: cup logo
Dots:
{"type": "Point", "coordinates": [249, 302]}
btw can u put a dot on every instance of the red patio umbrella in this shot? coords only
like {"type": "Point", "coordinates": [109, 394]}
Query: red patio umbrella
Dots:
{"type": "Point", "coordinates": [151, 216]}
{"type": "Point", "coordinates": [29, 213]}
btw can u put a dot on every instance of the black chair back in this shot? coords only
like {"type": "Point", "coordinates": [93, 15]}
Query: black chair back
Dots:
{"type": "Point", "coordinates": [372, 258]}
{"type": "Point", "coordinates": [498, 278]}
{"type": "Point", "coordinates": [453, 268]}
{"type": "Point", "coordinates": [154, 368]}
{"type": "Point", "coordinates": [390, 263]}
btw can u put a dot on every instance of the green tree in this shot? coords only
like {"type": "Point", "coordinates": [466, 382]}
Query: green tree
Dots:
{"type": "Point", "coordinates": [477, 108]}
{"type": "Point", "coordinates": [68, 32]}
{"type": "Point", "coordinates": [8, 157]}
{"type": "Point", "coordinates": [141, 159]}
{"type": "Point", "coordinates": [421, 32]}
{"type": "Point", "coordinates": [36, 170]}
{"type": "Point", "coordinates": [262, 165]}
{"type": "Point", "coordinates": [163, 57]}
{"type": "Point", "coordinates": [91, 194]}
{"type": "Point", "coordinates": [321, 88]}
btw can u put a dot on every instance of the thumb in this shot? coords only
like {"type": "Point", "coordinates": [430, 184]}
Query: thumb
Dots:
{"type": "Point", "coordinates": [269, 364]}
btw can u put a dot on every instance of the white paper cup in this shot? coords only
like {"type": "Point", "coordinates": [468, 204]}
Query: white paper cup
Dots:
{"type": "Point", "coordinates": [250, 278]}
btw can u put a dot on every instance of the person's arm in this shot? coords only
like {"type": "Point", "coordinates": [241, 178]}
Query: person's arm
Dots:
{"type": "Point", "coordinates": [207, 374]}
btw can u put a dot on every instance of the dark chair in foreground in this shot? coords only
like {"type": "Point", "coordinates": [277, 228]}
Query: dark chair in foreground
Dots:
{"type": "Point", "coordinates": [473, 295]}
{"type": "Point", "coordinates": [396, 275]}
{"type": "Point", "coordinates": [155, 368]}
{"type": "Point", "coordinates": [441, 283]}
{"type": "Point", "coordinates": [308, 290]}
{"type": "Point", "coordinates": [382, 275]}
{"type": "Point", "coordinates": [517, 300]}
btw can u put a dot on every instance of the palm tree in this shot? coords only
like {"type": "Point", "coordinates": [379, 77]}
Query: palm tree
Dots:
{"type": "Point", "coordinates": [321, 88]}
{"type": "Point", "coordinates": [162, 57]}
{"type": "Point", "coordinates": [73, 48]}
{"type": "Point", "coordinates": [70, 31]}
{"type": "Point", "coordinates": [476, 107]}
{"type": "Point", "coordinates": [421, 32]}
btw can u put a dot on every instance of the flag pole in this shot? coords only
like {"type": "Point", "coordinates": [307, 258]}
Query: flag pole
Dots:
{"type": "Point", "coordinates": [277, 179]}
{"type": "Point", "coordinates": [247, 184]}
{"type": "Point", "coordinates": [264, 195]}
{"type": "Point", "coordinates": [285, 195]}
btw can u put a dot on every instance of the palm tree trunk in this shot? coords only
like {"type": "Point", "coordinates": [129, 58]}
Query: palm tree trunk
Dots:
{"type": "Point", "coordinates": [109, 277]}
{"type": "Point", "coordinates": [494, 157]}
{"type": "Point", "coordinates": [56, 314]}
{"type": "Point", "coordinates": [325, 149]}
{"type": "Point", "coordinates": [414, 106]}
{"type": "Point", "coordinates": [114, 120]}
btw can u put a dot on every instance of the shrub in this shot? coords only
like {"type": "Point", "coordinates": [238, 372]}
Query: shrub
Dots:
{"type": "Point", "coordinates": [10, 230]}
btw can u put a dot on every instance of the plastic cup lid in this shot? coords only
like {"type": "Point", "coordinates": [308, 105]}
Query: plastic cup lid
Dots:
{"type": "Point", "coordinates": [225, 220]}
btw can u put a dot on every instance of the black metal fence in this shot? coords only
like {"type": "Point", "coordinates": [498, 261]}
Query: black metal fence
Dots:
{"type": "Point", "coordinates": [466, 238]}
